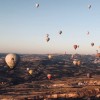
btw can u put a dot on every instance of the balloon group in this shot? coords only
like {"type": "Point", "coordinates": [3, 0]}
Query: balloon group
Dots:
{"type": "Point", "coordinates": [77, 62]}
{"type": "Point", "coordinates": [12, 60]}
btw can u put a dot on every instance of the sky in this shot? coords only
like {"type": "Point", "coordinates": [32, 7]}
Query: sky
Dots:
{"type": "Point", "coordinates": [23, 27]}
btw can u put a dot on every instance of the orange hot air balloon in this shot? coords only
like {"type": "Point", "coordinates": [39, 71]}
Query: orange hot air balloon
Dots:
{"type": "Point", "coordinates": [98, 55]}
{"type": "Point", "coordinates": [75, 47]}
{"type": "Point", "coordinates": [78, 63]}
{"type": "Point", "coordinates": [49, 76]}
{"type": "Point", "coordinates": [92, 44]}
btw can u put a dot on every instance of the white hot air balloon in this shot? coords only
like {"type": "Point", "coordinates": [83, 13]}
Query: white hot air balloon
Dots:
{"type": "Point", "coordinates": [27, 69]}
{"type": "Point", "coordinates": [37, 5]}
{"type": "Point", "coordinates": [12, 60]}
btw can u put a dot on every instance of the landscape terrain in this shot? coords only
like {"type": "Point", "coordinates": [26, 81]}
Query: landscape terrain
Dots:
{"type": "Point", "coordinates": [67, 81]}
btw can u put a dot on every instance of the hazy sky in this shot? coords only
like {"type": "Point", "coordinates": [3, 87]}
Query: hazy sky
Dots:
{"type": "Point", "coordinates": [23, 27]}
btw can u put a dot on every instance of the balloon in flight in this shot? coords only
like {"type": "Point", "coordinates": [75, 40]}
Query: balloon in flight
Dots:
{"type": "Point", "coordinates": [89, 6]}
{"type": "Point", "coordinates": [92, 44]}
{"type": "Point", "coordinates": [30, 71]}
{"type": "Point", "coordinates": [47, 39]}
{"type": "Point", "coordinates": [75, 47]}
{"type": "Point", "coordinates": [75, 62]}
{"type": "Point", "coordinates": [60, 32]}
{"type": "Point", "coordinates": [88, 33]}
{"type": "Point", "coordinates": [37, 5]}
{"type": "Point", "coordinates": [12, 60]}
{"type": "Point", "coordinates": [98, 55]}
{"type": "Point", "coordinates": [49, 76]}
{"type": "Point", "coordinates": [49, 56]}
{"type": "Point", "coordinates": [27, 69]}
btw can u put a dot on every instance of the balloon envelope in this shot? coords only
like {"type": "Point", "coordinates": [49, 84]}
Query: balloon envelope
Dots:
{"type": "Point", "coordinates": [89, 6]}
{"type": "Point", "coordinates": [30, 72]}
{"type": "Point", "coordinates": [49, 56]}
{"type": "Point", "coordinates": [49, 76]}
{"type": "Point", "coordinates": [98, 55]}
{"type": "Point", "coordinates": [37, 5]}
{"type": "Point", "coordinates": [92, 44]}
{"type": "Point", "coordinates": [75, 62]}
{"type": "Point", "coordinates": [47, 39]}
{"type": "Point", "coordinates": [60, 32]}
{"type": "Point", "coordinates": [78, 63]}
{"type": "Point", "coordinates": [75, 47]}
{"type": "Point", "coordinates": [12, 60]}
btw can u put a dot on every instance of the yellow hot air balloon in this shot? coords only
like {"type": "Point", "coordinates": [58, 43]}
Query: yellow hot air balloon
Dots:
{"type": "Point", "coordinates": [75, 62]}
{"type": "Point", "coordinates": [78, 63]}
{"type": "Point", "coordinates": [30, 72]}
{"type": "Point", "coordinates": [49, 56]}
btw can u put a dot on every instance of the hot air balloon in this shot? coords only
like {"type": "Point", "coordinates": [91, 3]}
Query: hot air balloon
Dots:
{"type": "Point", "coordinates": [12, 60]}
{"type": "Point", "coordinates": [75, 47]}
{"type": "Point", "coordinates": [49, 76]}
{"type": "Point", "coordinates": [75, 62]}
{"type": "Point", "coordinates": [98, 55]}
{"type": "Point", "coordinates": [60, 32]}
{"type": "Point", "coordinates": [92, 44]}
{"type": "Point", "coordinates": [78, 63]}
{"type": "Point", "coordinates": [27, 69]}
{"type": "Point", "coordinates": [47, 39]}
{"type": "Point", "coordinates": [89, 75]}
{"type": "Point", "coordinates": [49, 56]}
{"type": "Point", "coordinates": [88, 33]}
{"type": "Point", "coordinates": [37, 5]}
{"type": "Point", "coordinates": [30, 72]}
{"type": "Point", "coordinates": [89, 6]}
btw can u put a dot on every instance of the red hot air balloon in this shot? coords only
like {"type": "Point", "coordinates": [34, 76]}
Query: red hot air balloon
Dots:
{"type": "Point", "coordinates": [75, 47]}
{"type": "Point", "coordinates": [49, 76]}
